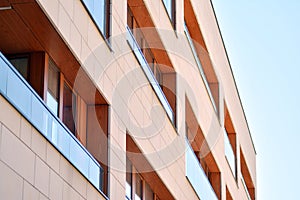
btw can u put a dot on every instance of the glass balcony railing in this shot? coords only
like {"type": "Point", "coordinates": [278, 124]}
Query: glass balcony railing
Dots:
{"type": "Point", "coordinates": [229, 154]}
{"type": "Point", "coordinates": [197, 177]}
{"type": "Point", "coordinates": [20, 94]}
{"type": "Point", "coordinates": [190, 40]}
{"type": "Point", "coordinates": [97, 10]}
{"type": "Point", "coordinates": [149, 74]}
{"type": "Point", "coordinates": [168, 5]}
{"type": "Point", "coordinates": [245, 187]}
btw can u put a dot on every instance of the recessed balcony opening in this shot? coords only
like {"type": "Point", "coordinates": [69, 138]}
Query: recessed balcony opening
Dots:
{"type": "Point", "coordinates": [230, 142]}
{"type": "Point", "coordinates": [154, 62]}
{"type": "Point", "coordinates": [201, 55]}
{"type": "Point", "coordinates": [199, 146]}
{"type": "Point", "coordinates": [142, 181]}
{"type": "Point", "coordinates": [57, 97]}
{"type": "Point", "coordinates": [246, 179]}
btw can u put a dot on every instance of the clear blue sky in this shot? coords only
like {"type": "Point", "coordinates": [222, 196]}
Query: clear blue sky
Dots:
{"type": "Point", "coordinates": [262, 39]}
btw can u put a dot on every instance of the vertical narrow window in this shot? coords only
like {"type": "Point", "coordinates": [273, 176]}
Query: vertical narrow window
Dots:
{"type": "Point", "coordinates": [138, 188]}
{"type": "Point", "coordinates": [128, 180]}
{"type": "Point", "coordinates": [21, 64]}
{"type": "Point", "coordinates": [53, 88]}
{"type": "Point", "coordinates": [149, 195]}
{"type": "Point", "coordinates": [69, 108]}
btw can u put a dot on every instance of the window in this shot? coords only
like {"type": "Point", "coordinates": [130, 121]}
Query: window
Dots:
{"type": "Point", "coordinates": [128, 179]}
{"type": "Point", "coordinates": [170, 8]}
{"type": "Point", "coordinates": [149, 193]}
{"type": "Point", "coordinates": [53, 88]}
{"type": "Point", "coordinates": [99, 11]}
{"type": "Point", "coordinates": [135, 183]}
{"type": "Point", "coordinates": [229, 141]}
{"type": "Point", "coordinates": [21, 64]}
{"type": "Point", "coordinates": [138, 188]}
{"type": "Point", "coordinates": [69, 108]}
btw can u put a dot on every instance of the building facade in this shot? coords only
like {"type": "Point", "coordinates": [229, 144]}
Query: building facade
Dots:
{"type": "Point", "coordinates": [116, 99]}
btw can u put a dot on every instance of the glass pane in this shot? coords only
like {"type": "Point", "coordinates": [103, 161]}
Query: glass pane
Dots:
{"type": "Point", "coordinates": [129, 18]}
{"type": "Point", "coordinates": [157, 73]}
{"type": "Point", "coordinates": [63, 142]}
{"type": "Point", "coordinates": [149, 195]}
{"type": "Point", "coordinates": [94, 173]}
{"type": "Point", "coordinates": [89, 4]}
{"type": "Point", "coordinates": [53, 79]}
{"type": "Point", "coordinates": [52, 103]}
{"type": "Point", "coordinates": [149, 57]}
{"type": "Point", "coordinates": [97, 9]}
{"type": "Point", "coordinates": [53, 87]}
{"type": "Point", "coordinates": [128, 179]}
{"type": "Point", "coordinates": [79, 157]}
{"type": "Point", "coordinates": [21, 64]}
{"type": "Point", "coordinates": [39, 115]}
{"type": "Point", "coordinates": [53, 130]}
{"type": "Point", "coordinates": [229, 153]}
{"type": "Point", "coordinates": [138, 188]}
{"type": "Point", "coordinates": [18, 93]}
{"type": "Point", "coordinates": [168, 5]}
{"type": "Point", "coordinates": [197, 177]}
{"type": "Point", "coordinates": [69, 108]}
{"type": "Point", "coordinates": [3, 76]}
{"type": "Point", "coordinates": [99, 14]}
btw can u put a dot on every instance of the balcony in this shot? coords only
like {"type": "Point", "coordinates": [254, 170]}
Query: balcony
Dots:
{"type": "Point", "coordinates": [229, 154]}
{"type": "Point", "coordinates": [201, 70]}
{"type": "Point", "coordinates": [149, 74]}
{"type": "Point", "coordinates": [197, 177]}
{"type": "Point", "coordinates": [15, 89]}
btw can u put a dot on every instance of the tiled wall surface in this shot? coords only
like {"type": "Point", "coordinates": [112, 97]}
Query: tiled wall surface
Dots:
{"type": "Point", "coordinates": [31, 168]}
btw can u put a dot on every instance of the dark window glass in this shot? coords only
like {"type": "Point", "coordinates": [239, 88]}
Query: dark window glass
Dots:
{"type": "Point", "coordinates": [128, 179]}
{"type": "Point", "coordinates": [149, 195]}
{"type": "Point", "coordinates": [138, 188]}
{"type": "Point", "coordinates": [53, 87]}
{"type": "Point", "coordinates": [21, 64]}
{"type": "Point", "coordinates": [69, 108]}
{"type": "Point", "coordinates": [157, 73]}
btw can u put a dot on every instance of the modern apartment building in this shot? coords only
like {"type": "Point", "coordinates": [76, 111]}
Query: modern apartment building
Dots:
{"type": "Point", "coordinates": [119, 99]}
